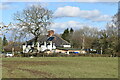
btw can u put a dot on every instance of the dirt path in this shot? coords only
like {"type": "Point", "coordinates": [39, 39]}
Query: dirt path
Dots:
{"type": "Point", "coordinates": [41, 73]}
{"type": "Point", "coordinates": [14, 65]}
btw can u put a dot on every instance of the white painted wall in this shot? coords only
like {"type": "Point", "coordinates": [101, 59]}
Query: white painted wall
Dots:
{"type": "Point", "coordinates": [67, 46]}
{"type": "Point", "coordinates": [54, 47]}
{"type": "Point", "coordinates": [51, 46]}
{"type": "Point", "coordinates": [43, 47]}
{"type": "Point", "coordinates": [38, 46]}
{"type": "Point", "coordinates": [26, 48]}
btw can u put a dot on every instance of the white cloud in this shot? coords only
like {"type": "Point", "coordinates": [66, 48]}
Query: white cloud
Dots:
{"type": "Point", "coordinates": [61, 26]}
{"type": "Point", "coordinates": [4, 6]}
{"type": "Point", "coordinates": [103, 18]}
{"type": "Point", "coordinates": [43, 4]}
{"type": "Point", "coordinates": [67, 11]}
{"type": "Point", "coordinates": [64, 25]}
{"type": "Point", "coordinates": [7, 5]}
{"type": "Point", "coordinates": [70, 11]}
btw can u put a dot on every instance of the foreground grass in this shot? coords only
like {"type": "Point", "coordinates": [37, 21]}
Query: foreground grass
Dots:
{"type": "Point", "coordinates": [60, 67]}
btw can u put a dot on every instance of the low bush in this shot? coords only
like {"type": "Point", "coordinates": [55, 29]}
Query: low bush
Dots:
{"type": "Point", "coordinates": [63, 55]}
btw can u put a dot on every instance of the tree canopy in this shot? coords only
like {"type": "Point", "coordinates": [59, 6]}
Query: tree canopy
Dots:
{"type": "Point", "coordinates": [67, 34]}
{"type": "Point", "coordinates": [5, 42]}
{"type": "Point", "coordinates": [34, 20]}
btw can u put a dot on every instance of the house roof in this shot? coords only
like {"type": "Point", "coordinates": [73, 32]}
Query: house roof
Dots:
{"type": "Point", "coordinates": [15, 45]}
{"type": "Point", "coordinates": [59, 41]}
{"type": "Point", "coordinates": [68, 48]}
{"type": "Point", "coordinates": [55, 39]}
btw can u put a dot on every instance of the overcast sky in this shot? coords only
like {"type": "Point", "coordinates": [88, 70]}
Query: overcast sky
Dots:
{"type": "Point", "coordinates": [67, 14]}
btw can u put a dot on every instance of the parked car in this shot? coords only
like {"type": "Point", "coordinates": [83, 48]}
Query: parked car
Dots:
{"type": "Point", "coordinates": [91, 51]}
{"type": "Point", "coordinates": [9, 54]}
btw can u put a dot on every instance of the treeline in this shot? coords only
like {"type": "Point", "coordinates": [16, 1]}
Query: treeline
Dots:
{"type": "Point", "coordinates": [105, 41]}
{"type": "Point", "coordinates": [91, 38]}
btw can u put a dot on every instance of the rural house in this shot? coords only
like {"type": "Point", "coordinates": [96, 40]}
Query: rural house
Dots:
{"type": "Point", "coordinates": [45, 42]}
{"type": "Point", "coordinates": [13, 47]}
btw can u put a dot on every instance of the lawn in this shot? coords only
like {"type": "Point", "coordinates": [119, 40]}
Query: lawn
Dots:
{"type": "Point", "coordinates": [60, 67]}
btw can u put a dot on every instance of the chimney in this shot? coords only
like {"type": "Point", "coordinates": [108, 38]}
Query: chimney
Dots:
{"type": "Point", "coordinates": [50, 33]}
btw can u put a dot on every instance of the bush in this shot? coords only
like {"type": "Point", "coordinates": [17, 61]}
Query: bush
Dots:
{"type": "Point", "coordinates": [63, 55]}
{"type": "Point", "coordinates": [18, 55]}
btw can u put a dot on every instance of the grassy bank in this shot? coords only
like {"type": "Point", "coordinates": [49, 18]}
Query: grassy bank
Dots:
{"type": "Point", "coordinates": [60, 67]}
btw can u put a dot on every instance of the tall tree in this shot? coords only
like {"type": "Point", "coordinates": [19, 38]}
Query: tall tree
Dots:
{"type": "Point", "coordinates": [5, 42]}
{"type": "Point", "coordinates": [65, 35]}
{"type": "Point", "coordinates": [34, 20]}
{"type": "Point", "coordinates": [1, 44]}
{"type": "Point", "coordinates": [84, 37]}
{"type": "Point", "coordinates": [71, 30]}
{"type": "Point", "coordinates": [116, 23]}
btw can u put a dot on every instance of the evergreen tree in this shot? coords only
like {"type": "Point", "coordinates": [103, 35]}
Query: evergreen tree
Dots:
{"type": "Point", "coordinates": [65, 35]}
{"type": "Point", "coordinates": [5, 42]}
{"type": "Point", "coordinates": [71, 31]}
{"type": "Point", "coordinates": [0, 44]}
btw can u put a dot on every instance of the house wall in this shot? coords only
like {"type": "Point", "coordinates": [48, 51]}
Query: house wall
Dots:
{"type": "Point", "coordinates": [26, 48]}
{"type": "Point", "coordinates": [51, 46]}
{"type": "Point", "coordinates": [60, 51]}
{"type": "Point", "coordinates": [68, 46]}
{"type": "Point", "coordinates": [68, 51]}
{"type": "Point", "coordinates": [79, 51]}
{"type": "Point", "coordinates": [43, 47]}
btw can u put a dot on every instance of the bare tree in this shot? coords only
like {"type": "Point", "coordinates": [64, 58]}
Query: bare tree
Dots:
{"type": "Point", "coordinates": [4, 28]}
{"type": "Point", "coordinates": [34, 20]}
{"type": "Point", "coordinates": [84, 37]}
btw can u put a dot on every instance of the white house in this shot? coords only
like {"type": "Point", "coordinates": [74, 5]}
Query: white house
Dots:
{"type": "Point", "coordinates": [45, 42]}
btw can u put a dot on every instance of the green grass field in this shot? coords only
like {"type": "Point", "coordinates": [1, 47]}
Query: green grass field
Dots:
{"type": "Point", "coordinates": [60, 67]}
